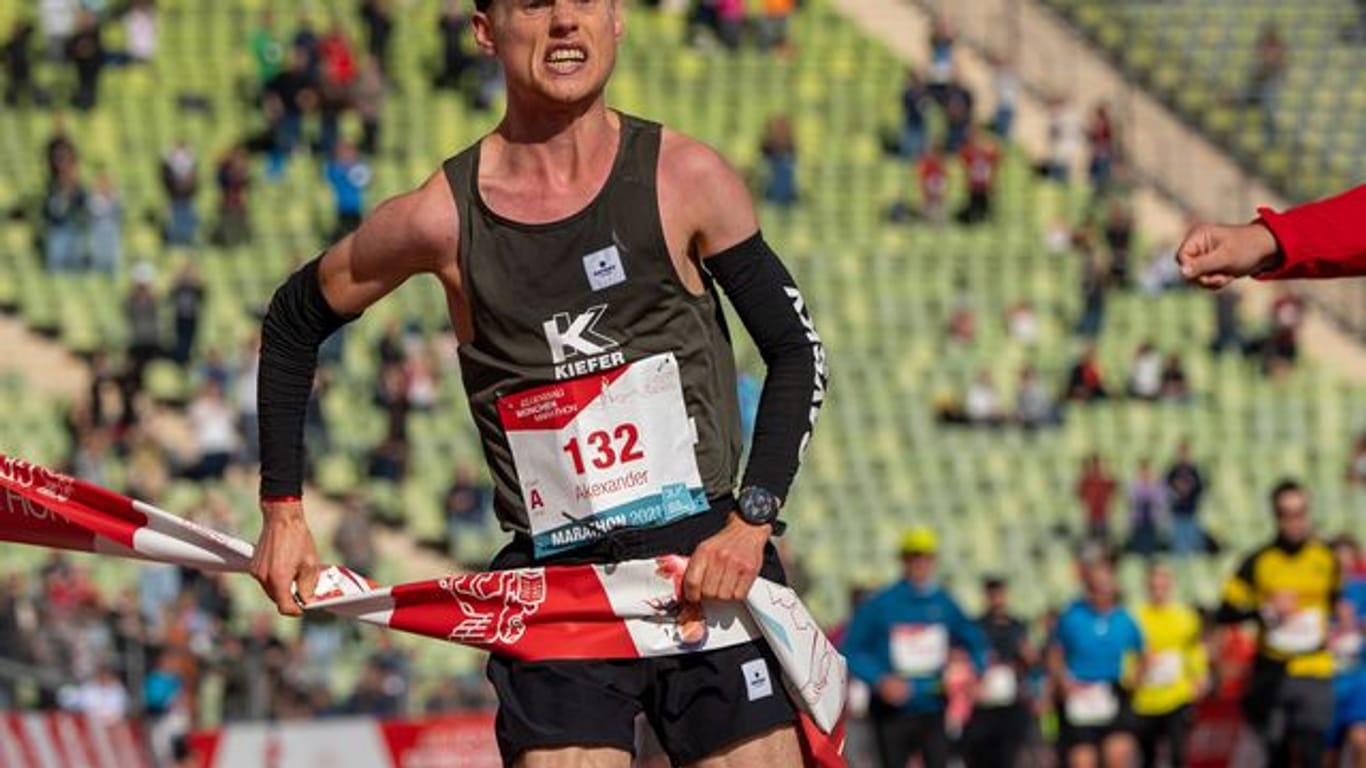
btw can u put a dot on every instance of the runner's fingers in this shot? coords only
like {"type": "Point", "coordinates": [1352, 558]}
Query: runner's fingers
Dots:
{"type": "Point", "coordinates": [694, 576]}
{"type": "Point", "coordinates": [280, 587]}
{"type": "Point", "coordinates": [728, 582]}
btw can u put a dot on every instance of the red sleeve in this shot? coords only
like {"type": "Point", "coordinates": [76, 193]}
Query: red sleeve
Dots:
{"type": "Point", "coordinates": [1322, 239]}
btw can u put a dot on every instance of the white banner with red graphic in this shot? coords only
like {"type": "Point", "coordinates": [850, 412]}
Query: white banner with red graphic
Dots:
{"type": "Point", "coordinates": [622, 610]}
{"type": "Point", "coordinates": [66, 740]}
{"type": "Point", "coordinates": [453, 741]}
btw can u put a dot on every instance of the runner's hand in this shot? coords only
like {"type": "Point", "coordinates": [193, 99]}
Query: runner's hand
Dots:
{"type": "Point", "coordinates": [285, 556]}
{"type": "Point", "coordinates": [1213, 255]}
{"type": "Point", "coordinates": [725, 566]}
{"type": "Point", "coordinates": [894, 690]}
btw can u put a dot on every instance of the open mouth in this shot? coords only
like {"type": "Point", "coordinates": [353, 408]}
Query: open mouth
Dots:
{"type": "Point", "coordinates": [565, 59]}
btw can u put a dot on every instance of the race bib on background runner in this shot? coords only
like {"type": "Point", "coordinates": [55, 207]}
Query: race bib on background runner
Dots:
{"type": "Point", "coordinates": [1300, 632]}
{"type": "Point", "coordinates": [1092, 704]}
{"type": "Point", "coordinates": [1164, 669]}
{"type": "Point", "coordinates": [919, 650]}
{"type": "Point", "coordinates": [1000, 686]}
{"type": "Point", "coordinates": [602, 452]}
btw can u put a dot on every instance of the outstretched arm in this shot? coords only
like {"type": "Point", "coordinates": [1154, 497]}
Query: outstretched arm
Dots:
{"type": "Point", "coordinates": [406, 235]}
{"type": "Point", "coordinates": [1318, 240]}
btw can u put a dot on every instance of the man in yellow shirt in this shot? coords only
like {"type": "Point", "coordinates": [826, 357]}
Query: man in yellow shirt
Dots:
{"type": "Point", "coordinates": [1177, 672]}
{"type": "Point", "coordinates": [1289, 587]}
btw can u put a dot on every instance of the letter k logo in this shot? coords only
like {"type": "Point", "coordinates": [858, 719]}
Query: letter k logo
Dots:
{"type": "Point", "coordinates": [568, 338]}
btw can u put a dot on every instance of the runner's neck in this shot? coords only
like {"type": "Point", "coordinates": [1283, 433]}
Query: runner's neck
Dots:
{"type": "Point", "coordinates": [557, 147]}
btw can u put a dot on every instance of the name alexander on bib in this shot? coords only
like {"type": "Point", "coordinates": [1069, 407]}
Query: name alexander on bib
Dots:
{"type": "Point", "coordinates": [605, 451]}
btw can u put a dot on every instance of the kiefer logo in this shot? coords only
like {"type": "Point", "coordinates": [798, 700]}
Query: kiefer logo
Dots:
{"type": "Point", "coordinates": [571, 337]}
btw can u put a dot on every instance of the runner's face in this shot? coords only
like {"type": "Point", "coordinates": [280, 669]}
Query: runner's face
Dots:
{"type": "Point", "coordinates": [562, 51]}
{"type": "Point", "coordinates": [919, 568]}
{"type": "Point", "coordinates": [1159, 586]}
{"type": "Point", "coordinates": [1292, 516]}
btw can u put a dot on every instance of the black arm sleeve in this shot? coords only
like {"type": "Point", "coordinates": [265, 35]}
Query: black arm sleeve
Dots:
{"type": "Point", "coordinates": [775, 315]}
{"type": "Point", "coordinates": [298, 321]}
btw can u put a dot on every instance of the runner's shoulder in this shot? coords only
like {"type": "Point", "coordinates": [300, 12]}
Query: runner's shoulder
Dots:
{"type": "Point", "coordinates": [693, 163]}
{"type": "Point", "coordinates": [431, 218]}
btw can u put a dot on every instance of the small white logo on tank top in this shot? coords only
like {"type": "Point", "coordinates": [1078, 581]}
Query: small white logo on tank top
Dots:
{"type": "Point", "coordinates": [604, 268]}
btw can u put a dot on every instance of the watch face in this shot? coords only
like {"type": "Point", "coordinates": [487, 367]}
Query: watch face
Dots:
{"type": "Point", "coordinates": [758, 506]}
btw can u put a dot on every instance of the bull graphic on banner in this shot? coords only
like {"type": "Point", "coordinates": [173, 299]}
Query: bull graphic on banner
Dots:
{"type": "Point", "coordinates": [476, 594]}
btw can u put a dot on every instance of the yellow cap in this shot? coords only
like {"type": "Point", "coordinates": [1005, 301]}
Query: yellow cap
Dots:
{"type": "Point", "coordinates": [919, 541]}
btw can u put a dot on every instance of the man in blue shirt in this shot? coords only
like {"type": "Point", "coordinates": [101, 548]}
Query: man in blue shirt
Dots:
{"type": "Point", "coordinates": [1349, 676]}
{"type": "Point", "coordinates": [898, 643]}
{"type": "Point", "coordinates": [1093, 658]}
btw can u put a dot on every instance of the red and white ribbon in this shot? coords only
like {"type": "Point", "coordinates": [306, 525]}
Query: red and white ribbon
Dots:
{"type": "Point", "coordinates": [618, 611]}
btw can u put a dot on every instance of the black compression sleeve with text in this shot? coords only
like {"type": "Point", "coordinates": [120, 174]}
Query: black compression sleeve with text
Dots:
{"type": "Point", "coordinates": [298, 321]}
{"type": "Point", "coordinates": [773, 312]}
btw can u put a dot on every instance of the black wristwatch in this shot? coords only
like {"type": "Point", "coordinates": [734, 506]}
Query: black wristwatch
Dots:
{"type": "Point", "coordinates": [758, 506]}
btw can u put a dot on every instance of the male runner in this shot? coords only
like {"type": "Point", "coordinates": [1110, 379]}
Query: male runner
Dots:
{"type": "Point", "coordinates": [1176, 675]}
{"type": "Point", "coordinates": [1348, 739]}
{"type": "Point", "coordinates": [1290, 588]}
{"type": "Point", "coordinates": [578, 248]}
{"type": "Point", "coordinates": [1001, 720]}
{"type": "Point", "coordinates": [1091, 660]}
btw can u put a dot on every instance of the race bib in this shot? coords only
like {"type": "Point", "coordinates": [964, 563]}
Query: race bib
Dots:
{"type": "Point", "coordinates": [602, 452]}
{"type": "Point", "coordinates": [1346, 648]}
{"type": "Point", "coordinates": [1000, 686]}
{"type": "Point", "coordinates": [1092, 704]}
{"type": "Point", "coordinates": [1301, 632]}
{"type": "Point", "coordinates": [1164, 669]}
{"type": "Point", "coordinates": [919, 650]}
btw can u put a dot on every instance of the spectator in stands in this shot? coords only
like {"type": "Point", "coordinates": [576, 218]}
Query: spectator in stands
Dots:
{"type": "Point", "coordinates": [1001, 716]}
{"type": "Point", "coordinates": [234, 182]}
{"type": "Point", "coordinates": [61, 150]}
{"type": "Point", "coordinates": [1175, 384]}
{"type": "Point", "coordinates": [352, 539]}
{"type": "Point", "coordinates": [1228, 332]}
{"type": "Point", "coordinates": [1272, 59]}
{"type": "Point", "coordinates": [1022, 323]}
{"type": "Point", "coordinates": [349, 175]}
{"type": "Point", "coordinates": [388, 461]}
{"type": "Point", "coordinates": [451, 26]}
{"type": "Point", "coordinates": [779, 148]}
{"type": "Point", "coordinates": [1064, 136]}
{"type": "Point", "coordinates": [730, 22]}
{"type": "Point", "coordinates": [1033, 406]}
{"type": "Point", "coordinates": [65, 212]}
{"type": "Point", "coordinates": [420, 383]}
{"type": "Point", "coordinates": [1085, 383]}
{"type": "Point", "coordinates": [248, 421]}
{"type": "Point", "coordinates": [378, 17]}
{"type": "Point", "coordinates": [1145, 378]}
{"type": "Point", "coordinates": [1288, 588]}
{"type": "Point", "coordinates": [103, 698]}
{"type": "Point", "coordinates": [91, 458]}
{"type": "Point", "coordinates": [957, 103]}
{"type": "Point", "coordinates": [214, 430]}
{"type": "Point", "coordinates": [1119, 235]}
{"type": "Point", "coordinates": [1095, 283]}
{"type": "Point", "coordinates": [1093, 659]}
{"type": "Point", "coordinates": [18, 52]}
{"type": "Point", "coordinates": [140, 31]}
{"type": "Point", "coordinates": [187, 302]}
{"type": "Point", "coordinates": [773, 23]}
{"type": "Point", "coordinates": [180, 179]}
{"type": "Point", "coordinates": [980, 157]}
{"type": "Point", "coordinates": [962, 325]}
{"type": "Point", "coordinates": [1185, 490]}
{"type": "Point", "coordinates": [913, 103]}
{"type": "Point", "coordinates": [934, 184]}
{"type": "Point", "coordinates": [1096, 491]}
{"type": "Point", "coordinates": [85, 50]}
{"type": "Point", "coordinates": [1356, 463]}
{"type": "Point", "coordinates": [58, 20]}
{"type": "Point", "coordinates": [337, 70]}
{"type": "Point", "coordinates": [288, 95]}
{"type": "Point", "coordinates": [308, 43]}
{"type": "Point", "coordinates": [1281, 348]}
{"type": "Point", "coordinates": [267, 51]}
{"type": "Point", "coordinates": [367, 95]}
{"type": "Point", "coordinates": [1005, 84]}
{"type": "Point", "coordinates": [941, 49]}
{"type": "Point", "coordinates": [1147, 511]}
{"type": "Point", "coordinates": [466, 502]}
{"type": "Point", "coordinates": [1100, 139]}
{"type": "Point", "coordinates": [982, 405]}
{"type": "Point", "coordinates": [1176, 672]}
{"type": "Point", "coordinates": [104, 207]}
{"type": "Point", "coordinates": [898, 644]}
{"type": "Point", "coordinates": [163, 697]}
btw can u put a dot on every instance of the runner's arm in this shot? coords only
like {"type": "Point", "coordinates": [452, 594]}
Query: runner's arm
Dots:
{"type": "Point", "coordinates": [775, 315]}
{"type": "Point", "coordinates": [1239, 601]}
{"type": "Point", "coordinates": [866, 662]}
{"type": "Point", "coordinates": [968, 635]}
{"type": "Point", "coordinates": [406, 235]}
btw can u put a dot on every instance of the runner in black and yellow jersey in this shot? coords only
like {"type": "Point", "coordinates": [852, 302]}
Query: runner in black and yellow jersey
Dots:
{"type": "Point", "coordinates": [1176, 675]}
{"type": "Point", "coordinates": [1289, 587]}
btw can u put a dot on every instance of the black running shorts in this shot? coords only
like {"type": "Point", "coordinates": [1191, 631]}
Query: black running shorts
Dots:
{"type": "Point", "coordinates": [698, 704]}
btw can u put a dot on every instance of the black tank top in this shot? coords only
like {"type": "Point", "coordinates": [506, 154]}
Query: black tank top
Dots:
{"type": "Point", "coordinates": [571, 307]}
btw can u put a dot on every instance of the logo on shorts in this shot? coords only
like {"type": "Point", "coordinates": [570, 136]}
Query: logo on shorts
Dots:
{"type": "Point", "coordinates": [494, 606]}
{"type": "Point", "coordinates": [758, 685]}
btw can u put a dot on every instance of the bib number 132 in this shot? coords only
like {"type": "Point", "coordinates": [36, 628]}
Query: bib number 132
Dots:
{"type": "Point", "coordinates": [606, 450]}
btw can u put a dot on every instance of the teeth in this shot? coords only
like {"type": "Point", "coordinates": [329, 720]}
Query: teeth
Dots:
{"type": "Point", "coordinates": [566, 54]}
